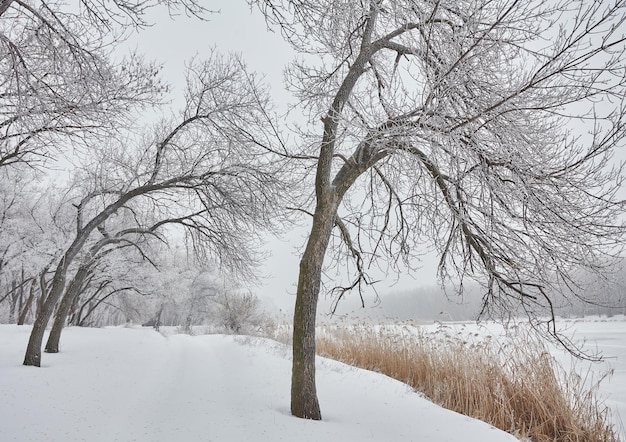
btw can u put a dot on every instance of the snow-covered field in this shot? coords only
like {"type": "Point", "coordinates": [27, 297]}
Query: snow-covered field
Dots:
{"type": "Point", "coordinates": [608, 337]}
{"type": "Point", "coordinates": [130, 384]}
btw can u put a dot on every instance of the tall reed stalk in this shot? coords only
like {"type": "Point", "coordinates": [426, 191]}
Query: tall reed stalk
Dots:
{"type": "Point", "coordinates": [516, 386]}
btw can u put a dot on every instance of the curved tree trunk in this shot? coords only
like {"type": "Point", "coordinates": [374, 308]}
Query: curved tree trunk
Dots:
{"type": "Point", "coordinates": [52, 345]}
{"type": "Point", "coordinates": [33, 349]}
{"type": "Point", "coordinates": [304, 401]}
{"type": "Point", "coordinates": [329, 194]}
{"type": "Point", "coordinates": [72, 292]}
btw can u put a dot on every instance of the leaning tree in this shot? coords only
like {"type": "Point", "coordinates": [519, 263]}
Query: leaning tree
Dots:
{"type": "Point", "coordinates": [205, 169]}
{"type": "Point", "coordinates": [483, 129]}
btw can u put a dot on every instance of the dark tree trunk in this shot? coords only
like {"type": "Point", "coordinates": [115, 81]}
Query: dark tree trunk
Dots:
{"type": "Point", "coordinates": [52, 345]}
{"type": "Point", "coordinates": [304, 402]}
{"type": "Point", "coordinates": [71, 294]}
{"type": "Point", "coordinates": [329, 194]}
{"type": "Point", "coordinates": [43, 289]}
{"type": "Point", "coordinates": [33, 349]}
{"type": "Point", "coordinates": [20, 302]}
{"type": "Point", "coordinates": [157, 319]}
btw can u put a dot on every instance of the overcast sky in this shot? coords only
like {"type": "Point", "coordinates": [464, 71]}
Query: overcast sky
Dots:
{"type": "Point", "coordinates": [234, 28]}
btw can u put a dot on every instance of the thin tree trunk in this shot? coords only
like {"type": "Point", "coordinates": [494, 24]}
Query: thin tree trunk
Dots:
{"type": "Point", "coordinates": [304, 402]}
{"type": "Point", "coordinates": [12, 301]}
{"type": "Point", "coordinates": [78, 317]}
{"type": "Point", "coordinates": [31, 296]}
{"type": "Point", "coordinates": [20, 303]}
{"type": "Point", "coordinates": [157, 320]}
{"type": "Point", "coordinates": [93, 305]}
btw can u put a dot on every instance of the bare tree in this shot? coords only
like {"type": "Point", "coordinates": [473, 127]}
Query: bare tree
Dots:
{"type": "Point", "coordinates": [32, 232]}
{"type": "Point", "coordinates": [481, 129]}
{"type": "Point", "coordinates": [59, 88]}
{"type": "Point", "coordinates": [239, 311]}
{"type": "Point", "coordinates": [203, 170]}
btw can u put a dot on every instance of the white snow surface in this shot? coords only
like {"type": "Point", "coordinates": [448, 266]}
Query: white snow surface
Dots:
{"type": "Point", "coordinates": [131, 384]}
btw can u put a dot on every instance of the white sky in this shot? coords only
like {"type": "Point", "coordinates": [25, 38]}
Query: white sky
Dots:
{"type": "Point", "coordinates": [233, 29]}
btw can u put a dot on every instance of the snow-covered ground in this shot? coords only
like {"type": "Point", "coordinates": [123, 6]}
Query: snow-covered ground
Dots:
{"type": "Point", "coordinates": [130, 384]}
{"type": "Point", "coordinates": [136, 385]}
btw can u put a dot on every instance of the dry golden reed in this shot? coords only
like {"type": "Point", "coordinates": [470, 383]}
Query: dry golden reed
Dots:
{"type": "Point", "coordinates": [517, 387]}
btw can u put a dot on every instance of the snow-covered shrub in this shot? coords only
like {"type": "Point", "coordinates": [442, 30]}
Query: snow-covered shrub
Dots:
{"type": "Point", "coordinates": [241, 312]}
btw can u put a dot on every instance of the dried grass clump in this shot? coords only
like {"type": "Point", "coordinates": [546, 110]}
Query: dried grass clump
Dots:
{"type": "Point", "coordinates": [517, 387]}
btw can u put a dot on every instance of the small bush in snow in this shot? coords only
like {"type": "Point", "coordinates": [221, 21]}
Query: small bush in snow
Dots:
{"type": "Point", "coordinates": [241, 313]}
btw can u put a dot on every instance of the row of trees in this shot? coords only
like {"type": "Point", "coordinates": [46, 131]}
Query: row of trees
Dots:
{"type": "Point", "coordinates": [202, 173]}
{"type": "Point", "coordinates": [481, 130]}
{"type": "Point", "coordinates": [603, 297]}
{"type": "Point", "coordinates": [122, 287]}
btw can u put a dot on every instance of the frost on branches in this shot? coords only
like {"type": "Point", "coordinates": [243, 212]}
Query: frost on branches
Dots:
{"type": "Point", "coordinates": [481, 129]}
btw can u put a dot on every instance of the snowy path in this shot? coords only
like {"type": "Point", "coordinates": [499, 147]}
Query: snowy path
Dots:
{"type": "Point", "coordinates": [135, 385]}
{"type": "Point", "coordinates": [203, 387]}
